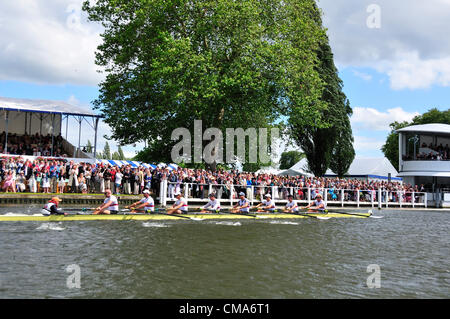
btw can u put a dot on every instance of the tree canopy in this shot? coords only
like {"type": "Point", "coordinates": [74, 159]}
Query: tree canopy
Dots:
{"type": "Point", "coordinates": [231, 64]}
{"type": "Point", "coordinates": [328, 141]}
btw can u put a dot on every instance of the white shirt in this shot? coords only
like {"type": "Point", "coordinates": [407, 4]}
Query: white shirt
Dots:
{"type": "Point", "coordinates": [292, 204]}
{"type": "Point", "coordinates": [46, 211]}
{"type": "Point", "coordinates": [269, 203]}
{"type": "Point", "coordinates": [149, 204]}
{"type": "Point", "coordinates": [214, 204]}
{"type": "Point", "coordinates": [320, 202]}
{"type": "Point", "coordinates": [242, 203]}
{"type": "Point", "coordinates": [119, 178]}
{"type": "Point", "coordinates": [114, 203]}
{"type": "Point", "coordinates": [183, 202]}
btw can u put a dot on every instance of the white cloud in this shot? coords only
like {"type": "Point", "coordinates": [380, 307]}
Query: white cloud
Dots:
{"type": "Point", "coordinates": [411, 72]}
{"type": "Point", "coordinates": [362, 75]}
{"type": "Point", "coordinates": [409, 47]}
{"type": "Point", "coordinates": [372, 119]}
{"type": "Point", "coordinates": [47, 42]}
{"type": "Point", "coordinates": [363, 143]}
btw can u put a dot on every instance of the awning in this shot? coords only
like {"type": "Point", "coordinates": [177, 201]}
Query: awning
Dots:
{"type": "Point", "coordinates": [43, 106]}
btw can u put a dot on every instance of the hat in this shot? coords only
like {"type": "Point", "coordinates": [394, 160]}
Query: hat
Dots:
{"type": "Point", "coordinates": [268, 195]}
{"type": "Point", "coordinates": [56, 199]}
{"type": "Point", "coordinates": [177, 193]}
{"type": "Point", "coordinates": [241, 194]}
{"type": "Point", "coordinates": [212, 194]}
{"type": "Point", "coordinates": [146, 191]}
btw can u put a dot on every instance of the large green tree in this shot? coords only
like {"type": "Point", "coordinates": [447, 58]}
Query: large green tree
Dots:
{"type": "Point", "coordinates": [390, 148]}
{"type": "Point", "coordinates": [343, 152]}
{"type": "Point", "coordinates": [322, 139]}
{"type": "Point", "coordinates": [231, 64]}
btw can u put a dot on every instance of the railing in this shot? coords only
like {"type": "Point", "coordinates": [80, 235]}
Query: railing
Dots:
{"type": "Point", "coordinates": [228, 194]}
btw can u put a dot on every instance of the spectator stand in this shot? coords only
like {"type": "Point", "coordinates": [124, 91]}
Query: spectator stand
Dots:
{"type": "Point", "coordinates": [26, 119]}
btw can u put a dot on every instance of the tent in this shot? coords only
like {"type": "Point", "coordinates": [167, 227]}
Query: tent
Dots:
{"type": "Point", "coordinates": [298, 169]}
{"type": "Point", "coordinates": [370, 168]}
{"type": "Point", "coordinates": [268, 170]}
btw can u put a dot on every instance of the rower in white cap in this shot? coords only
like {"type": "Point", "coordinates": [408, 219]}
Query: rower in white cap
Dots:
{"type": "Point", "coordinates": [267, 205]}
{"type": "Point", "coordinates": [180, 206]}
{"type": "Point", "coordinates": [146, 204]}
{"type": "Point", "coordinates": [242, 206]}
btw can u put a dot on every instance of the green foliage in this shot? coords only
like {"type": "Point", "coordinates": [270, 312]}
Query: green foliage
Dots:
{"type": "Point", "coordinates": [120, 153]}
{"type": "Point", "coordinates": [107, 152]}
{"type": "Point", "coordinates": [228, 63]}
{"type": "Point", "coordinates": [289, 159]}
{"type": "Point", "coordinates": [343, 152]}
{"type": "Point", "coordinates": [328, 140]}
{"type": "Point", "coordinates": [390, 148]}
{"type": "Point", "coordinates": [89, 147]}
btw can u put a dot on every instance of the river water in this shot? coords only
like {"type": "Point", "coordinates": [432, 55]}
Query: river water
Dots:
{"type": "Point", "coordinates": [305, 258]}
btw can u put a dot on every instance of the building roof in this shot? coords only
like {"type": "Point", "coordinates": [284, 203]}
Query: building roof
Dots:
{"type": "Point", "coordinates": [370, 166]}
{"type": "Point", "coordinates": [43, 106]}
{"type": "Point", "coordinates": [377, 167]}
{"type": "Point", "coordinates": [427, 128]}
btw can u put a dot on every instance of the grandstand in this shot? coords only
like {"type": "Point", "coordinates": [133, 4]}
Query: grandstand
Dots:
{"type": "Point", "coordinates": [33, 128]}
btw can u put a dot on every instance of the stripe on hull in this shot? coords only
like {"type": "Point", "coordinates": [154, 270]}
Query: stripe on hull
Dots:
{"type": "Point", "coordinates": [57, 218]}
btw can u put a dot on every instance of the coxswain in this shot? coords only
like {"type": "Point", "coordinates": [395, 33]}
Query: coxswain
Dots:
{"type": "Point", "coordinates": [291, 206]}
{"type": "Point", "coordinates": [213, 204]}
{"type": "Point", "coordinates": [267, 205]}
{"type": "Point", "coordinates": [146, 204]}
{"type": "Point", "coordinates": [109, 206]}
{"type": "Point", "coordinates": [51, 208]}
{"type": "Point", "coordinates": [318, 206]}
{"type": "Point", "coordinates": [242, 206]}
{"type": "Point", "coordinates": [180, 206]}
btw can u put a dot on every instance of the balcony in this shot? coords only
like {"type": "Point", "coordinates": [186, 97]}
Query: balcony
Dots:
{"type": "Point", "coordinates": [425, 166]}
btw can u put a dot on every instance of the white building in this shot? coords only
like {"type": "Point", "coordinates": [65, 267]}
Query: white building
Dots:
{"type": "Point", "coordinates": [424, 159]}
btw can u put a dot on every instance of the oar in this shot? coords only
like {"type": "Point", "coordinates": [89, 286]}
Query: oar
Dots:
{"type": "Point", "coordinates": [307, 215]}
{"type": "Point", "coordinates": [360, 215]}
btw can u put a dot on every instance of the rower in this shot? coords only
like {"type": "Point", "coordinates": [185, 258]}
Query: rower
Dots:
{"type": "Point", "coordinates": [109, 206]}
{"type": "Point", "coordinates": [146, 204]}
{"type": "Point", "coordinates": [291, 206]}
{"type": "Point", "coordinates": [180, 206]}
{"type": "Point", "coordinates": [318, 206]}
{"type": "Point", "coordinates": [212, 206]}
{"type": "Point", "coordinates": [51, 208]}
{"type": "Point", "coordinates": [242, 206]}
{"type": "Point", "coordinates": [268, 205]}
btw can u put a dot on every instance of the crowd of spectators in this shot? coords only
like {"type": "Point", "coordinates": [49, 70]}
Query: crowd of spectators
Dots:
{"type": "Point", "coordinates": [61, 176]}
{"type": "Point", "coordinates": [32, 145]}
{"type": "Point", "coordinates": [431, 152]}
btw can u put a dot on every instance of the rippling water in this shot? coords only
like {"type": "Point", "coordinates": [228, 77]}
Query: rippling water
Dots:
{"type": "Point", "coordinates": [305, 258]}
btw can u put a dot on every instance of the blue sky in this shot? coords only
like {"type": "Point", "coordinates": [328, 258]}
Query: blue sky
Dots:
{"type": "Point", "coordinates": [392, 57]}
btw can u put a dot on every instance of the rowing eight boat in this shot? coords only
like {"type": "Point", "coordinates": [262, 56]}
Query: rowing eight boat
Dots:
{"type": "Point", "coordinates": [144, 217]}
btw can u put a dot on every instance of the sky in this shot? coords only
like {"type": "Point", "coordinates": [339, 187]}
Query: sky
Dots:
{"type": "Point", "coordinates": [392, 55]}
